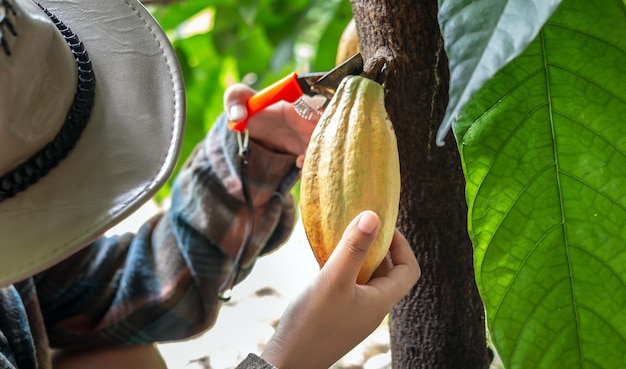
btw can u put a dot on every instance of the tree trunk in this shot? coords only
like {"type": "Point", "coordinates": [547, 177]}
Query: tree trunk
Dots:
{"type": "Point", "coordinates": [440, 324]}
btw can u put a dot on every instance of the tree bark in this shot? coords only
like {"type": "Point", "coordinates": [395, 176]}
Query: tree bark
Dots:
{"type": "Point", "coordinates": [440, 324]}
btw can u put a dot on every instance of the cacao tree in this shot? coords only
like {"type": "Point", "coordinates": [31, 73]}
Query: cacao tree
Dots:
{"type": "Point", "coordinates": [520, 215]}
{"type": "Point", "coordinates": [440, 324]}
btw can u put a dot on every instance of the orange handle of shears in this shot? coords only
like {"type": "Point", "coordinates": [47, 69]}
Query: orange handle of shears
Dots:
{"type": "Point", "coordinates": [287, 89]}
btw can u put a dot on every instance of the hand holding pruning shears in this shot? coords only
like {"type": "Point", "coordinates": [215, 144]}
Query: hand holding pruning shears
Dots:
{"type": "Point", "coordinates": [280, 128]}
{"type": "Point", "coordinates": [308, 92]}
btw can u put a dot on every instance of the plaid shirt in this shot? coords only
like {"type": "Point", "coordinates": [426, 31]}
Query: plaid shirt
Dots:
{"type": "Point", "coordinates": [161, 283]}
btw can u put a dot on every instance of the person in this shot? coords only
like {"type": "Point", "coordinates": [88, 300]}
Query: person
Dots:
{"type": "Point", "coordinates": [91, 122]}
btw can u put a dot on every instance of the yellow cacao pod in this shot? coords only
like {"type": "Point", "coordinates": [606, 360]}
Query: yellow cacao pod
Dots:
{"type": "Point", "coordinates": [348, 43]}
{"type": "Point", "coordinates": [351, 165]}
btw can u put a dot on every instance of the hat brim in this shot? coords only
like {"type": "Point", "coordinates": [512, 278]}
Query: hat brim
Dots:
{"type": "Point", "coordinates": [126, 152]}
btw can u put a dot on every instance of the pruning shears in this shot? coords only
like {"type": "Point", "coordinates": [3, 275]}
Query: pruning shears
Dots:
{"type": "Point", "coordinates": [293, 86]}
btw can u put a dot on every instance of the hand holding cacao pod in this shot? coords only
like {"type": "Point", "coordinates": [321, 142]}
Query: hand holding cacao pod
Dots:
{"type": "Point", "coordinates": [351, 165]}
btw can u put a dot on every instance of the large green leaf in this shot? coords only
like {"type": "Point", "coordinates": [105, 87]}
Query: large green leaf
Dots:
{"type": "Point", "coordinates": [543, 146]}
{"type": "Point", "coordinates": [480, 38]}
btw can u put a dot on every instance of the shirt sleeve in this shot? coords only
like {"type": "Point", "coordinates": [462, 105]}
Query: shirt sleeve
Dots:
{"type": "Point", "coordinates": [162, 283]}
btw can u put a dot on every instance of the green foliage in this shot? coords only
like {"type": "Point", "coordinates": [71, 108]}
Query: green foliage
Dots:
{"type": "Point", "coordinates": [256, 42]}
{"type": "Point", "coordinates": [543, 145]}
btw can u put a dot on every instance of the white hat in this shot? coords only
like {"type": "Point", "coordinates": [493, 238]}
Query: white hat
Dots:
{"type": "Point", "coordinates": [62, 186]}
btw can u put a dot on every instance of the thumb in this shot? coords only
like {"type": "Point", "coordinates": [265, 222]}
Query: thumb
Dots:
{"type": "Point", "coordinates": [348, 256]}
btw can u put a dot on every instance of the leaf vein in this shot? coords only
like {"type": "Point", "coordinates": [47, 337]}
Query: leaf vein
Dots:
{"type": "Point", "coordinates": [505, 95]}
{"type": "Point", "coordinates": [501, 149]}
{"type": "Point", "coordinates": [553, 341]}
{"type": "Point", "coordinates": [599, 191]}
{"type": "Point", "coordinates": [506, 213]}
{"type": "Point", "coordinates": [586, 34]}
{"type": "Point", "coordinates": [536, 306]}
{"type": "Point", "coordinates": [577, 74]}
{"type": "Point", "coordinates": [587, 127]}
{"type": "Point", "coordinates": [603, 262]}
{"type": "Point", "coordinates": [521, 265]}
{"type": "Point", "coordinates": [560, 192]}
{"type": "Point", "coordinates": [603, 319]}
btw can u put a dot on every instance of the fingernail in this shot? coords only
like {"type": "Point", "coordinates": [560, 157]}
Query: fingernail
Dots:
{"type": "Point", "coordinates": [368, 222]}
{"type": "Point", "coordinates": [236, 112]}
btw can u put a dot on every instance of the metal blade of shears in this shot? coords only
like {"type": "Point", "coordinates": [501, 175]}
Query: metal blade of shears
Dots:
{"type": "Point", "coordinates": [327, 84]}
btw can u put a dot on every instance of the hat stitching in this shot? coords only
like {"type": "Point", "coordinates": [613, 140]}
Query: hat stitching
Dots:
{"type": "Point", "coordinates": [5, 23]}
{"type": "Point", "coordinates": [169, 69]}
{"type": "Point", "coordinates": [38, 165]}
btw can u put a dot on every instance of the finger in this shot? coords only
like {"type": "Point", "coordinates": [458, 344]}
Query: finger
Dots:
{"type": "Point", "coordinates": [235, 98]}
{"type": "Point", "coordinates": [405, 271]}
{"type": "Point", "coordinates": [384, 267]}
{"type": "Point", "coordinates": [348, 256]}
{"type": "Point", "coordinates": [401, 252]}
{"type": "Point", "coordinates": [300, 161]}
